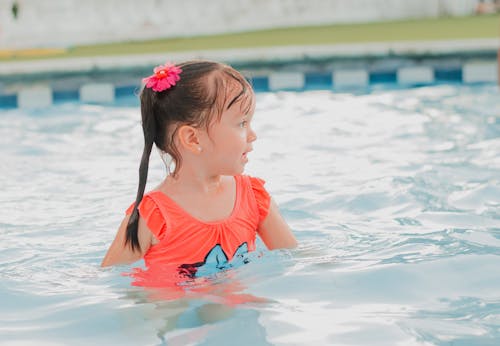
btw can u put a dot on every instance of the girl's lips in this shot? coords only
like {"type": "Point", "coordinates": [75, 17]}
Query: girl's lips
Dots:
{"type": "Point", "coordinates": [244, 156]}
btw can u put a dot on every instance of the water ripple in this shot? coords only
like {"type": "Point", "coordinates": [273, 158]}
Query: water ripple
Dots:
{"type": "Point", "coordinates": [393, 196]}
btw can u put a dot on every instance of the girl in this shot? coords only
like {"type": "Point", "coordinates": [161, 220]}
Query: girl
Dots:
{"type": "Point", "coordinates": [199, 115]}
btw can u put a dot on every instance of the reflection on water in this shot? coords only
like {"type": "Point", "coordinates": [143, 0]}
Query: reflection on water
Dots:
{"type": "Point", "coordinates": [393, 196]}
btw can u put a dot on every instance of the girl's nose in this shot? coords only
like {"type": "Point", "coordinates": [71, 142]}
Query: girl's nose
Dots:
{"type": "Point", "coordinates": [252, 136]}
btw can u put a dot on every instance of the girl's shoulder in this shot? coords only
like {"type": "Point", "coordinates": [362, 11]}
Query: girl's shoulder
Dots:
{"type": "Point", "coordinates": [260, 196]}
{"type": "Point", "coordinates": [147, 202]}
{"type": "Point", "coordinates": [150, 210]}
{"type": "Point", "coordinates": [254, 182]}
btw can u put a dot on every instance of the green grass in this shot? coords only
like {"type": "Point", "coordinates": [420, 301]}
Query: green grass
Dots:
{"type": "Point", "coordinates": [414, 30]}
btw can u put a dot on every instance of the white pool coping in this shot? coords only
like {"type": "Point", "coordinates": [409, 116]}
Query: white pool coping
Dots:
{"type": "Point", "coordinates": [259, 54]}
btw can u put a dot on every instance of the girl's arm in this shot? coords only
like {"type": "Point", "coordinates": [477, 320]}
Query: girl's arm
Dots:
{"type": "Point", "coordinates": [119, 253]}
{"type": "Point", "coordinates": [275, 232]}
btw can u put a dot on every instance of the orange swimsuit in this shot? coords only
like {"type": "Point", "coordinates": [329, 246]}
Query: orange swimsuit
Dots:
{"type": "Point", "coordinates": [186, 243]}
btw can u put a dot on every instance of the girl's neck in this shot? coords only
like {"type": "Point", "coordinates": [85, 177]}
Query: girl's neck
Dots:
{"type": "Point", "coordinates": [194, 182]}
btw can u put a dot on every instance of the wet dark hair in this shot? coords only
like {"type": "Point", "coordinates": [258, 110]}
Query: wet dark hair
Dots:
{"type": "Point", "coordinates": [201, 94]}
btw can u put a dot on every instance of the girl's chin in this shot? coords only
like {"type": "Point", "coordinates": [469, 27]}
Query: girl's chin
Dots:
{"type": "Point", "coordinates": [235, 171]}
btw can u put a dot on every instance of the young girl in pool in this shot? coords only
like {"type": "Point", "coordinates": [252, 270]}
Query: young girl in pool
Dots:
{"type": "Point", "coordinates": [199, 114]}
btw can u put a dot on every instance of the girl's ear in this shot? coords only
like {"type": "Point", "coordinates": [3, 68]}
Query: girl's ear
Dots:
{"type": "Point", "coordinates": [188, 138]}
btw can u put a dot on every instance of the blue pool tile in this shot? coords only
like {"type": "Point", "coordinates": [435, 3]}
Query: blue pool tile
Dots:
{"type": "Point", "coordinates": [383, 77]}
{"type": "Point", "coordinates": [65, 95]}
{"type": "Point", "coordinates": [126, 91]}
{"type": "Point", "coordinates": [260, 83]}
{"type": "Point", "coordinates": [319, 80]}
{"type": "Point", "coordinates": [8, 101]}
{"type": "Point", "coordinates": [448, 74]}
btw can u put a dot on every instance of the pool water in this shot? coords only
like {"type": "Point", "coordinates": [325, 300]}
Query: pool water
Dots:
{"type": "Point", "coordinates": [394, 196]}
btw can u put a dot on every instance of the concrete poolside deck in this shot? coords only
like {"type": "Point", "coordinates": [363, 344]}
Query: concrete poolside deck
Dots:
{"type": "Point", "coordinates": [468, 47]}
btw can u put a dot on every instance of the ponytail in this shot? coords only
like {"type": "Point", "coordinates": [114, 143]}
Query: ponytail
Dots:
{"type": "Point", "coordinates": [149, 129]}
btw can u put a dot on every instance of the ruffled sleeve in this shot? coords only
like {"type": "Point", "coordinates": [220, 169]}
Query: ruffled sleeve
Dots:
{"type": "Point", "coordinates": [262, 197]}
{"type": "Point", "coordinates": [150, 212]}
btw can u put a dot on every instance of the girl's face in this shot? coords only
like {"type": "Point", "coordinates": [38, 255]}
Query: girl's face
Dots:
{"type": "Point", "coordinates": [228, 141]}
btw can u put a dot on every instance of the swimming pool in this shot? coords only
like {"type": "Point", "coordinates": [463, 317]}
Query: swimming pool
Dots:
{"type": "Point", "coordinates": [392, 194]}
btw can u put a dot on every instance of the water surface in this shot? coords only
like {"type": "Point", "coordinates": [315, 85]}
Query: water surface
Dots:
{"type": "Point", "coordinates": [393, 196]}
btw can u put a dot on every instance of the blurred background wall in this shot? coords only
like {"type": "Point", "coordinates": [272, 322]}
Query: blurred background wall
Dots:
{"type": "Point", "coordinates": [62, 23]}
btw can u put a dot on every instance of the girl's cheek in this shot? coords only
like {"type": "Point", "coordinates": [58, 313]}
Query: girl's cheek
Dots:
{"type": "Point", "coordinates": [243, 134]}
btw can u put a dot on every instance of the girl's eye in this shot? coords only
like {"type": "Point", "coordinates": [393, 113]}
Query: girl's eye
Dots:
{"type": "Point", "coordinates": [244, 123]}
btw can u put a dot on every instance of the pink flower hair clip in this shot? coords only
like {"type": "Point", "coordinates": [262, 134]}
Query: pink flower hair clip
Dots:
{"type": "Point", "coordinates": [164, 77]}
